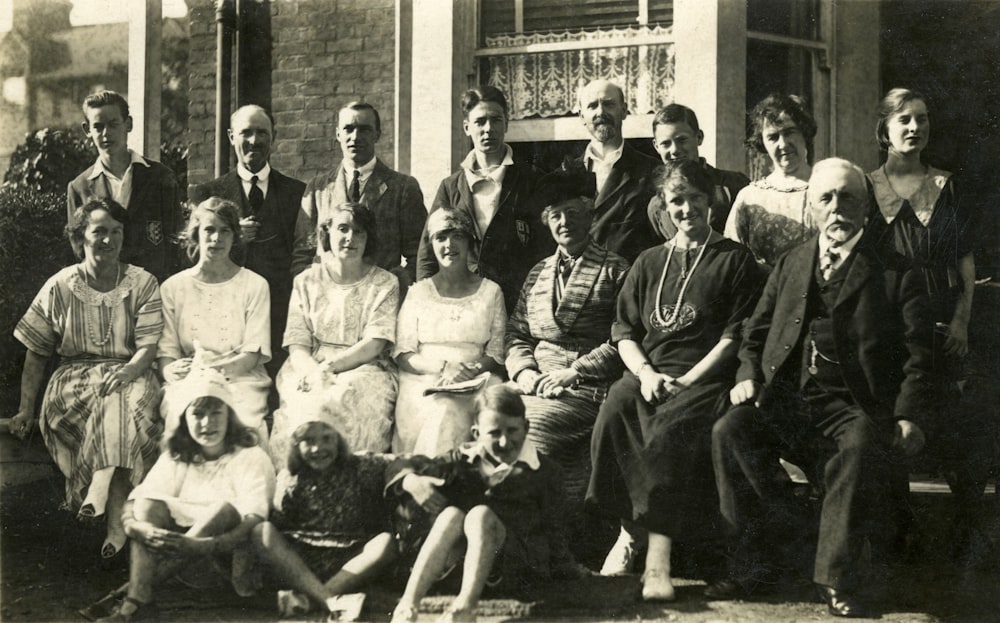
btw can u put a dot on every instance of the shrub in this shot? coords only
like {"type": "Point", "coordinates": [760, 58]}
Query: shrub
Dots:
{"type": "Point", "coordinates": [32, 248]}
{"type": "Point", "coordinates": [49, 159]}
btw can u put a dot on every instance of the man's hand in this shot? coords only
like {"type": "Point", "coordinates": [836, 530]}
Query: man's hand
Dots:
{"type": "Point", "coordinates": [908, 438]}
{"type": "Point", "coordinates": [249, 226]}
{"type": "Point", "coordinates": [423, 490]}
{"type": "Point", "coordinates": [747, 391]}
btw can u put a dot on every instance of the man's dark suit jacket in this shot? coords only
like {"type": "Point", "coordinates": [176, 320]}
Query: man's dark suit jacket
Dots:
{"type": "Point", "coordinates": [154, 215]}
{"type": "Point", "coordinates": [881, 324]}
{"type": "Point", "coordinates": [394, 199]}
{"type": "Point", "coordinates": [515, 240]}
{"type": "Point", "coordinates": [270, 255]}
{"type": "Point", "coordinates": [621, 224]}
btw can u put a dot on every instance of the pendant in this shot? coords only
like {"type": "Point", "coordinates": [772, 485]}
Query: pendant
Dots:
{"type": "Point", "coordinates": [813, 370]}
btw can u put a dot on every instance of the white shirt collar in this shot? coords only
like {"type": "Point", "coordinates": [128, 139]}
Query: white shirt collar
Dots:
{"type": "Point", "coordinates": [246, 175]}
{"type": "Point", "coordinates": [593, 154]}
{"type": "Point", "coordinates": [134, 158]}
{"type": "Point", "coordinates": [365, 170]}
{"type": "Point", "coordinates": [474, 451]}
{"type": "Point", "coordinates": [473, 170]}
{"type": "Point", "coordinates": [842, 250]}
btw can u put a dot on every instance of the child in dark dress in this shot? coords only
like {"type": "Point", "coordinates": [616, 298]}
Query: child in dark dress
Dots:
{"type": "Point", "coordinates": [495, 500]}
{"type": "Point", "coordinates": [330, 532]}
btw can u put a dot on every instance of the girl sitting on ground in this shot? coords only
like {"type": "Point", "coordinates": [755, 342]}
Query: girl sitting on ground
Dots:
{"type": "Point", "coordinates": [211, 485]}
{"type": "Point", "coordinates": [330, 532]}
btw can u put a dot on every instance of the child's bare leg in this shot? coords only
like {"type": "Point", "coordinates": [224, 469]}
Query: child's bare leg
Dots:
{"type": "Point", "coordinates": [485, 534]}
{"type": "Point", "coordinates": [145, 567]}
{"type": "Point", "coordinates": [286, 562]}
{"type": "Point", "coordinates": [379, 552]}
{"type": "Point", "coordinates": [434, 555]}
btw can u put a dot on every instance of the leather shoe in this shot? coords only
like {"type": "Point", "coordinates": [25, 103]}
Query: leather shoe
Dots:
{"type": "Point", "coordinates": [726, 590]}
{"type": "Point", "coordinates": [842, 603]}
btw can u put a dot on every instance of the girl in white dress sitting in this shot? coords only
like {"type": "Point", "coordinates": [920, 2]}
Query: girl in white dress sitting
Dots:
{"type": "Point", "coordinates": [211, 485]}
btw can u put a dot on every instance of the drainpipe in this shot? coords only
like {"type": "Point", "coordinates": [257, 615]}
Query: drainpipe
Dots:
{"type": "Point", "coordinates": [225, 25]}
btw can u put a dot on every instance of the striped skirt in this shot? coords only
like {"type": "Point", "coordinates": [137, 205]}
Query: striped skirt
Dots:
{"type": "Point", "coordinates": [85, 432]}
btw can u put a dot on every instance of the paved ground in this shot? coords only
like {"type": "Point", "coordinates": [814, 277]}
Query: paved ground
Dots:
{"type": "Point", "coordinates": [49, 570]}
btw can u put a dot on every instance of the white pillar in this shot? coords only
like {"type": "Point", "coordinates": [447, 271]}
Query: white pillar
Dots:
{"type": "Point", "coordinates": [710, 74]}
{"type": "Point", "coordinates": [145, 38]}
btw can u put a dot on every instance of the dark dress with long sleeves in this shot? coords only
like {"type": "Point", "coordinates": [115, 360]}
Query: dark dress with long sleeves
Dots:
{"type": "Point", "coordinates": [653, 464]}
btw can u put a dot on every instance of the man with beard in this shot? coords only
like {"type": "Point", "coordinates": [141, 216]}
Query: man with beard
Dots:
{"type": "Point", "coordinates": [834, 374]}
{"type": "Point", "coordinates": [623, 175]}
{"type": "Point", "coordinates": [269, 204]}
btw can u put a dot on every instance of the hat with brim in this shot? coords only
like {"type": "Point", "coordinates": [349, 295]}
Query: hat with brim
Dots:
{"type": "Point", "coordinates": [562, 186]}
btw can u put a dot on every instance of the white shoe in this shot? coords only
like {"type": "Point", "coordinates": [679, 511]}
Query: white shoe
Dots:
{"type": "Point", "coordinates": [345, 607]}
{"type": "Point", "coordinates": [656, 586]}
{"type": "Point", "coordinates": [404, 615]}
{"type": "Point", "coordinates": [621, 559]}
{"type": "Point", "coordinates": [292, 604]}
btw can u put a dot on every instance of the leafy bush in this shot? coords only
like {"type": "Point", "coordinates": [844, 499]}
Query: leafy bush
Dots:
{"type": "Point", "coordinates": [32, 248]}
{"type": "Point", "coordinates": [49, 159]}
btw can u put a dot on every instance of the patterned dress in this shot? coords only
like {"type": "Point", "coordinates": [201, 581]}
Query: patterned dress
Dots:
{"type": "Point", "coordinates": [452, 329]}
{"type": "Point", "coordinates": [95, 333]}
{"type": "Point", "coordinates": [770, 221]}
{"type": "Point", "coordinates": [329, 517]}
{"type": "Point", "coordinates": [555, 327]}
{"type": "Point", "coordinates": [328, 318]}
{"type": "Point", "coordinates": [222, 319]}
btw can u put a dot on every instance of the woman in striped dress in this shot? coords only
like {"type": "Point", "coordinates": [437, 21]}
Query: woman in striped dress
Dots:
{"type": "Point", "coordinates": [99, 414]}
{"type": "Point", "coordinates": [558, 338]}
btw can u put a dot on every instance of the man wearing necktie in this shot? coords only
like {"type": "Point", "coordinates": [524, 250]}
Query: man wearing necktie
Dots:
{"type": "Point", "coordinates": [394, 198]}
{"type": "Point", "coordinates": [623, 175]}
{"type": "Point", "coordinates": [835, 376]}
{"type": "Point", "coordinates": [269, 204]}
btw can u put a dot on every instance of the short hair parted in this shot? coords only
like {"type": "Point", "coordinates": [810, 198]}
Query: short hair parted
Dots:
{"type": "Point", "coordinates": [250, 108]}
{"type": "Point", "coordinates": [182, 446]}
{"type": "Point", "coordinates": [295, 463]}
{"type": "Point", "coordinates": [676, 113]}
{"type": "Point", "coordinates": [356, 105]}
{"type": "Point", "coordinates": [363, 218]}
{"type": "Point", "coordinates": [688, 171]}
{"type": "Point", "coordinates": [77, 226]}
{"type": "Point", "coordinates": [770, 110]}
{"type": "Point", "coordinates": [106, 98]}
{"type": "Point", "coordinates": [891, 104]}
{"type": "Point", "coordinates": [225, 210]}
{"type": "Point", "coordinates": [500, 398]}
{"type": "Point", "coordinates": [483, 93]}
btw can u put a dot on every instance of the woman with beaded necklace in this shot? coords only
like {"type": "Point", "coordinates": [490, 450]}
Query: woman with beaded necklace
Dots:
{"type": "Point", "coordinates": [99, 412]}
{"type": "Point", "coordinates": [677, 329]}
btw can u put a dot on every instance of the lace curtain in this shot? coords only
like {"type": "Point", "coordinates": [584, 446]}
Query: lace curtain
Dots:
{"type": "Point", "coordinates": [546, 84]}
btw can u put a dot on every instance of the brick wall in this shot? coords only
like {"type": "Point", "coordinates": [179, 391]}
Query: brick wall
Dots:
{"type": "Point", "coordinates": [326, 53]}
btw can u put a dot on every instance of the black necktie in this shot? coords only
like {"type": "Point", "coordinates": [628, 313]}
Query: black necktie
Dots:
{"type": "Point", "coordinates": [256, 196]}
{"type": "Point", "coordinates": [355, 192]}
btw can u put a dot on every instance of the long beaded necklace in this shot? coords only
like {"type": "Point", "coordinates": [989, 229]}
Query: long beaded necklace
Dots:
{"type": "Point", "coordinates": [111, 318]}
{"type": "Point", "coordinates": [671, 322]}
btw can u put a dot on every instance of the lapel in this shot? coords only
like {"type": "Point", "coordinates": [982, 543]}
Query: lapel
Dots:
{"type": "Point", "coordinates": [581, 284]}
{"type": "Point", "coordinates": [858, 273]}
{"type": "Point", "coordinates": [618, 177]}
{"type": "Point", "coordinates": [510, 182]}
{"type": "Point", "coordinates": [467, 203]}
{"type": "Point", "coordinates": [376, 185]}
{"type": "Point", "coordinates": [140, 182]}
{"type": "Point", "coordinates": [542, 303]}
{"type": "Point", "coordinates": [800, 264]}
{"type": "Point", "coordinates": [339, 187]}
{"type": "Point", "coordinates": [232, 186]}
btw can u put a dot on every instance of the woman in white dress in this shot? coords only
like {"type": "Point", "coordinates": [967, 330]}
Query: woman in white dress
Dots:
{"type": "Point", "coordinates": [450, 329]}
{"type": "Point", "coordinates": [341, 324]}
{"type": "Point", "coordinates": [217, 315]}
